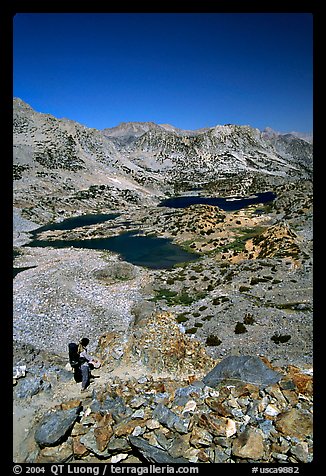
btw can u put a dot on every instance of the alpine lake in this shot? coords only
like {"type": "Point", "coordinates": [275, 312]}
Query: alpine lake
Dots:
{"type": "Point", "coordinates": [142, 250]}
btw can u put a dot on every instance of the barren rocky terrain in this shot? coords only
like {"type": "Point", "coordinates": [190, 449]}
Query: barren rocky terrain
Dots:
{"type": "Point", "coordinates": [247, 293]}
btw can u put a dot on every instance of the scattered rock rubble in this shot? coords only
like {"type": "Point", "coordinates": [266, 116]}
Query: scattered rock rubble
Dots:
{"type": "Point", "coordinates": [239, 409]}
{"type": "Point", "coordinates": [159, 421]}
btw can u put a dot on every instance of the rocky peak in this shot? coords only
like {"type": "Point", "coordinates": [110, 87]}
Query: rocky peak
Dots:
{"type": "Point", "coordinates": [269, 134]}
{"type": "Point", "coordinates": [19, 104]}
{"type": "Point", "coordinates": [48, 152]}
{"type": "Point", "coordinates": [135, 129]}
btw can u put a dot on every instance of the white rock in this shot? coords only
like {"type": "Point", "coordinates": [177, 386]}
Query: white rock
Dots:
{"type": "Point", "coordinates": [190, 406]}
{"type": "Point", "coordinates": [119, 457]}
{"type": "Point", "coordinates": [152, 424]}
{"type": "Point", "coordinates": [19, 371]}
{"type": "Point", "coordinates": [271, 410]}
{"type": "Point", "coordinates": [138, 413]}
{"type": "Point", "coordinates": [231, 428]}
{"type": "Point", "coordinates": [138, 430]}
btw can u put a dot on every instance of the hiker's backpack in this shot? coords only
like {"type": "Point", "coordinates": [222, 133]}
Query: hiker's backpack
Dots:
{"type": "Point", "coordinates": [73, 355]}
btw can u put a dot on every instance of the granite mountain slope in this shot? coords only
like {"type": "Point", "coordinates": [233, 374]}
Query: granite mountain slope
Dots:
{"type": "Point", "coordinates": [157, 331]}
{"type": "Point", "coordinates": [63, 169]}
{"type": "Point", "coordinates": [65, 164]}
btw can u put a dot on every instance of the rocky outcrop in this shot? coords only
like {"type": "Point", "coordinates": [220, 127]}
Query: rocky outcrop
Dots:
{"type": "Point", "coordinates": [157, 343]}
{"type": "Point", "coordinates": [245, 368]}
{"type": "Point", "coordinates": [54, 426]}
{"type": "Point", "coordinates": [277, 241]}
{"type": "Point", "coordinates": [168, 420]}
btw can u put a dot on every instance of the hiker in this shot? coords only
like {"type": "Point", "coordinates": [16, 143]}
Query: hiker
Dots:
{"type": "Point", "coordinates": [86, 362]}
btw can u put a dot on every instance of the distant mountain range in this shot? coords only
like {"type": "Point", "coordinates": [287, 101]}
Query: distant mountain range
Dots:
{"type": "Point", "coordinates": [135, 129]}
{"type": "Point", "coordinates": [57, 160]}
{"type": "Point", "coordinates": [268, 132]}
{"type": "Point", "coordinates": [125, 129]}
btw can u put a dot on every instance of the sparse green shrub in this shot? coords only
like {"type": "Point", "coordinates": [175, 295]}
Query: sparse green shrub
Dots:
{"type": "Point", "coordinates": [213, 340]}
{"type": "Point", "coordinates": [244, 289]}
{"type": "Point", "coordinates": [173, 297]}
{"type": "Point", "coordinates": [181, 318]}
{"type": "Point", "coordinates": [278, 338]}
{"type": "Point", "coordinates": [248, 319]}
{"type": "Point", "coordinates": [185, 298]}
{"type": "Point", "coordinates": [228, 277]}
{"type": "Point", "coordinates": [166, 294]}
{"type": "Point", "coordinates": [219, 300]}
{"type": "Point", "coordinates": [18, 170]}
{"type": "Point", "coordinates": [208, 317]}
{"type": "Point", "coordinates": [255, 280]}
{"type": "Point", "coordinates": [240, 328]}
{"type": "Point", "coordinates": [197, 269]}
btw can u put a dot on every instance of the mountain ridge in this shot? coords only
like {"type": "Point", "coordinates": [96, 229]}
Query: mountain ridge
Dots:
{"type": "Point", "coordinates": [139, 126]}
{"type": "Point", "coordinates": [62, 161]}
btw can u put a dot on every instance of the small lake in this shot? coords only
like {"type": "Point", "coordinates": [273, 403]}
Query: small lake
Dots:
{"type": "Point", "coordinates": [76, 222]}
{"type": "Point", "coordinates": [19, 270]}
{"type": "Point", "coordinates": [227, 204]}
{"type": "Point", "coordinates": [148, 251]}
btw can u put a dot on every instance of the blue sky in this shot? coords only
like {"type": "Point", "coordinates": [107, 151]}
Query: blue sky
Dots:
{"type": "Point", "coordinates": [190, 70]}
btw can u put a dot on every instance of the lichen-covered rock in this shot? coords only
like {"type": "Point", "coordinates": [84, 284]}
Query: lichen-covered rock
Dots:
{"type": "Point", "coordinates": [217, 425]}
{"type": "Point", "coordinates": [168, 418]}
{"type": "Point", "coordinates": [58, 454]}
{"type": "Point", "coordinates": [161, 347]}
{"type": "Point", "coordinates": [295, 423]}
{"type": "Point", "coordinates": [28, 387]}
{"type": "Point", "coordinates": [91, 442]}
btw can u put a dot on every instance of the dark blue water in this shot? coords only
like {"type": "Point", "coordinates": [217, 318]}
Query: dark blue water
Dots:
{"type": "Point", "coordinates": [148, 251]}
{"type": "Point", "coordinates": [75, 222]}
{"type": "Point", "coordinates": [19, 270]}
{"type": "Point", "coordinates": [227, 204]}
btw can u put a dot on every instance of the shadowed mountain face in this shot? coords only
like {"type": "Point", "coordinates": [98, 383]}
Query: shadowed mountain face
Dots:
{"type": "Point", "coordinates": [69, 166]}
